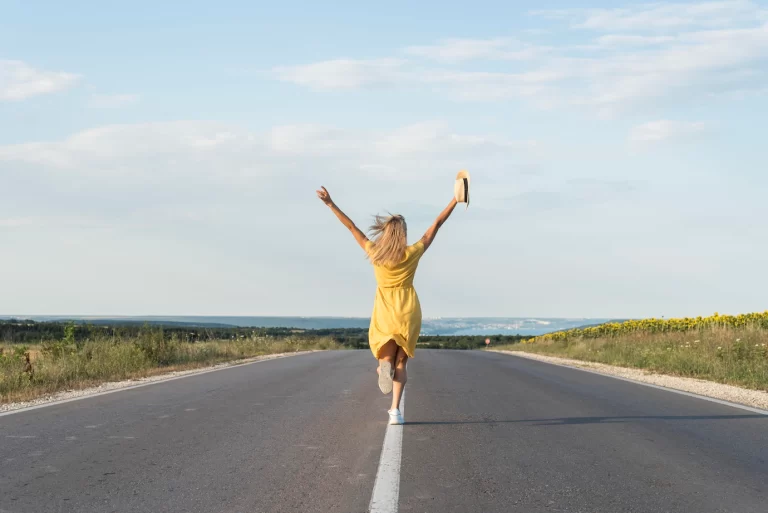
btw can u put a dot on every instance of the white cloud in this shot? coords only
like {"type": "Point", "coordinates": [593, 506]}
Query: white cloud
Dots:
{"type": "Point", "coordinates": [310, 139]}
{"type": "Point", "coordinates": [698, 63]}
{"type": "Point", "coordinates": [422, 137]}
{"type": "Point", "coordinates": [457, 50]}
{"type": "Point", "coordinates": [113, 148]}
{"type": "Point", "coordinates": [15, 222]}
{"type": "Point", "coordinates": [113, 101]}
{"type": "Point", "coordinates": [344, 73]}
{"type": "Point", "coordinates": [665, 130]}
{"type": "Point", "coordinates": [722, 47]}
{"type": "Point", "coordinates": [741, 94]}
{"type": "Point", "coordinates": [55, 221]}
{"type": "Point", "coordinates": [19, 81]}
{"type": "Point", "coordinates": [471, 85]}
{"type": "Point", "coordinates": [435, 137]}
{"type": "Point", "coordinates": [386, 153]}
{"type": "Point", "coordinates": [210, 152]}
{"type": "Point", "coordinates": [661, 16]}
{"type": "Point", "coordinates": [617, 40]}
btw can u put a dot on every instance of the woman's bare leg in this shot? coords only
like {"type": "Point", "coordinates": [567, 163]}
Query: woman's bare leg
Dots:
{"type": "Point", "coordinates": [401, 377]}
{"type": "Point", "coordinates": [387, 356]}
{"type": "Point", "coordinates": [388, 352]}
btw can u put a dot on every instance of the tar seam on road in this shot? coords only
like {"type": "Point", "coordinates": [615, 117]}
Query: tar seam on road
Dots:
{"type": "Point", "coordinates": [386, 488]}
{"type": "Point", "coordinates": [659, 387]}
{"type": "Point", "coordinates": [131, 387]}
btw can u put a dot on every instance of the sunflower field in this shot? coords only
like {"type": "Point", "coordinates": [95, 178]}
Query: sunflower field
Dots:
{"type": "Point", "coordinates": [755, 321]}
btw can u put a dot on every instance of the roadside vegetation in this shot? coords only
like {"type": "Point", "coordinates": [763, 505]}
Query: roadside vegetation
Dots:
{"type": "Point", "coordinates": [74, 362]}
{"type": "Point", "coordinates": [729, 349]}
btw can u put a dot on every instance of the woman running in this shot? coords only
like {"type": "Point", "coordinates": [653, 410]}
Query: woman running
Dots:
{"type": "Point", "coordinates": [396, 318]}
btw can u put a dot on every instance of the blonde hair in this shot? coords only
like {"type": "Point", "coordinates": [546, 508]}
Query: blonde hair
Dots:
{"type": "Point", "coordinates": [389, 240]}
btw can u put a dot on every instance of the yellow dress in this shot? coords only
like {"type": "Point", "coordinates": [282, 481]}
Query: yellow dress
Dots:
{"type": "Point", "coordinates": [396, 310]}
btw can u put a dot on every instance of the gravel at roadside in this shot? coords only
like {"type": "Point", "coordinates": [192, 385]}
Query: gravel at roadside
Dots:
{"type": "Point", "coordinates": [115, 385]}
{"type": "Point", "coordinates": [734, 394]}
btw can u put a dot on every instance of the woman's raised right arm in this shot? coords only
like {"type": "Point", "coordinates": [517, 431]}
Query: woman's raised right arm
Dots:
{"type": "Point", "coordinates": [429, 236]}
{"type": "Point", "coordinates": [359, 236]}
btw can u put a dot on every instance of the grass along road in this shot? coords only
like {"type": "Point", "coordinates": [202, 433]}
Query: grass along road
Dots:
{"type": "Point", "coordinates": [735, 355]}
{"type": "Point", "coordinates": [30, 372]}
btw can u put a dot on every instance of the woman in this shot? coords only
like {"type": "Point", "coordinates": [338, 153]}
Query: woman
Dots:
{"type": "Point", "coordinates": [396, 319]}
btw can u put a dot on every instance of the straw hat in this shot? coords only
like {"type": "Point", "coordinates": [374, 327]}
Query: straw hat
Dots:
{"type": "Point", "coordinates": [461, 187]}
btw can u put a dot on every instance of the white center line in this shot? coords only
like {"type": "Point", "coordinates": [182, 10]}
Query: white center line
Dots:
{"type": "Point", "coordinates": [386, 489]}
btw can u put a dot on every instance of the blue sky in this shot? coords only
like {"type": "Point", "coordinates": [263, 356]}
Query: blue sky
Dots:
{"type": "Point", "coordinates": [161, 158]}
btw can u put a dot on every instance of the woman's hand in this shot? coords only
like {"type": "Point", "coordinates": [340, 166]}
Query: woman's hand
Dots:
{"type": "Point", "coordinates": [324, 196]}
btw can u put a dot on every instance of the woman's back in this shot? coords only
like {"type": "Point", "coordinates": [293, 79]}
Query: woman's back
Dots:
{"type": "Point", "coordinates": [399, 275]}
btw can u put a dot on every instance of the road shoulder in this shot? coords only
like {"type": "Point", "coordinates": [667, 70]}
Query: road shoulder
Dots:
{"type": "Point", "coordinates": [720, 391]}
{"type": "Point", "coordinates": [116, 386]}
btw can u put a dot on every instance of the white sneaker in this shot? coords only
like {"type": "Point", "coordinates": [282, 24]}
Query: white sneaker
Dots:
{"type": "Point", "coordinates": [395, 417]}
{"type": "Point", "coordinates": [386, 373]}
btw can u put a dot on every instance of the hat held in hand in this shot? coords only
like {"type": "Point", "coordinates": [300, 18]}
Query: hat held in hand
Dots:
{"type": "Point", "coordinates": [461, 187]}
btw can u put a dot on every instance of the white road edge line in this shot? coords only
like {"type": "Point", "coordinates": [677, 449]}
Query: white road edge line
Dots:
{"type": "Point", "coordinates": [386, 488]}
{"type": "Point", "coordinates": [155, 382]}
{"type": "Point", "coordinates": [659, 387]}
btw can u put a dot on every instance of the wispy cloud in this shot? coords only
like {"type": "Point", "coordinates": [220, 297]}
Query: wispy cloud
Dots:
{"type": "Point", "coordinates": [344, 73]}
{"type": "Point", "coordinates": [458, 50]}
{"type": "Point", "coordinates": [126, 149]}
{"type": "Point", "coordinates": [311, 139]}
{"type": "Point", "coordinates": [665, 130]}
{"type": "Point", "coordinates": [437, 138]}
{"type": "Point", "coordinates": [468, 85]}
{"type": "Point", "coordinates": [57, 221]}
{"type": "Point", "coordinates": [175, 150]}
{"type": "Point", "coordinates": [426, 138]}
{"type": "Point", "coordinates": [661, 16]}
{"type": "Point", "coordinates": [705, 48]}
{"type": "Point", "coordinates": [15, 222]}
{"type": "Point", "coordinates": [112, 101]}
{"type": "Point", "coordinates": [623, 40]}
{"type": "Point", "coordinates": [19, 81]}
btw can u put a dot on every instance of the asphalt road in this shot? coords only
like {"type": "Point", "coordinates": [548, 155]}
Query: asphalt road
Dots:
{"type": "Point", "coordinates": [485, 432]}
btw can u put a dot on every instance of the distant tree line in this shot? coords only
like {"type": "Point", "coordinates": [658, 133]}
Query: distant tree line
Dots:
{"type": "Point", "coordinates": [21, 331]}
